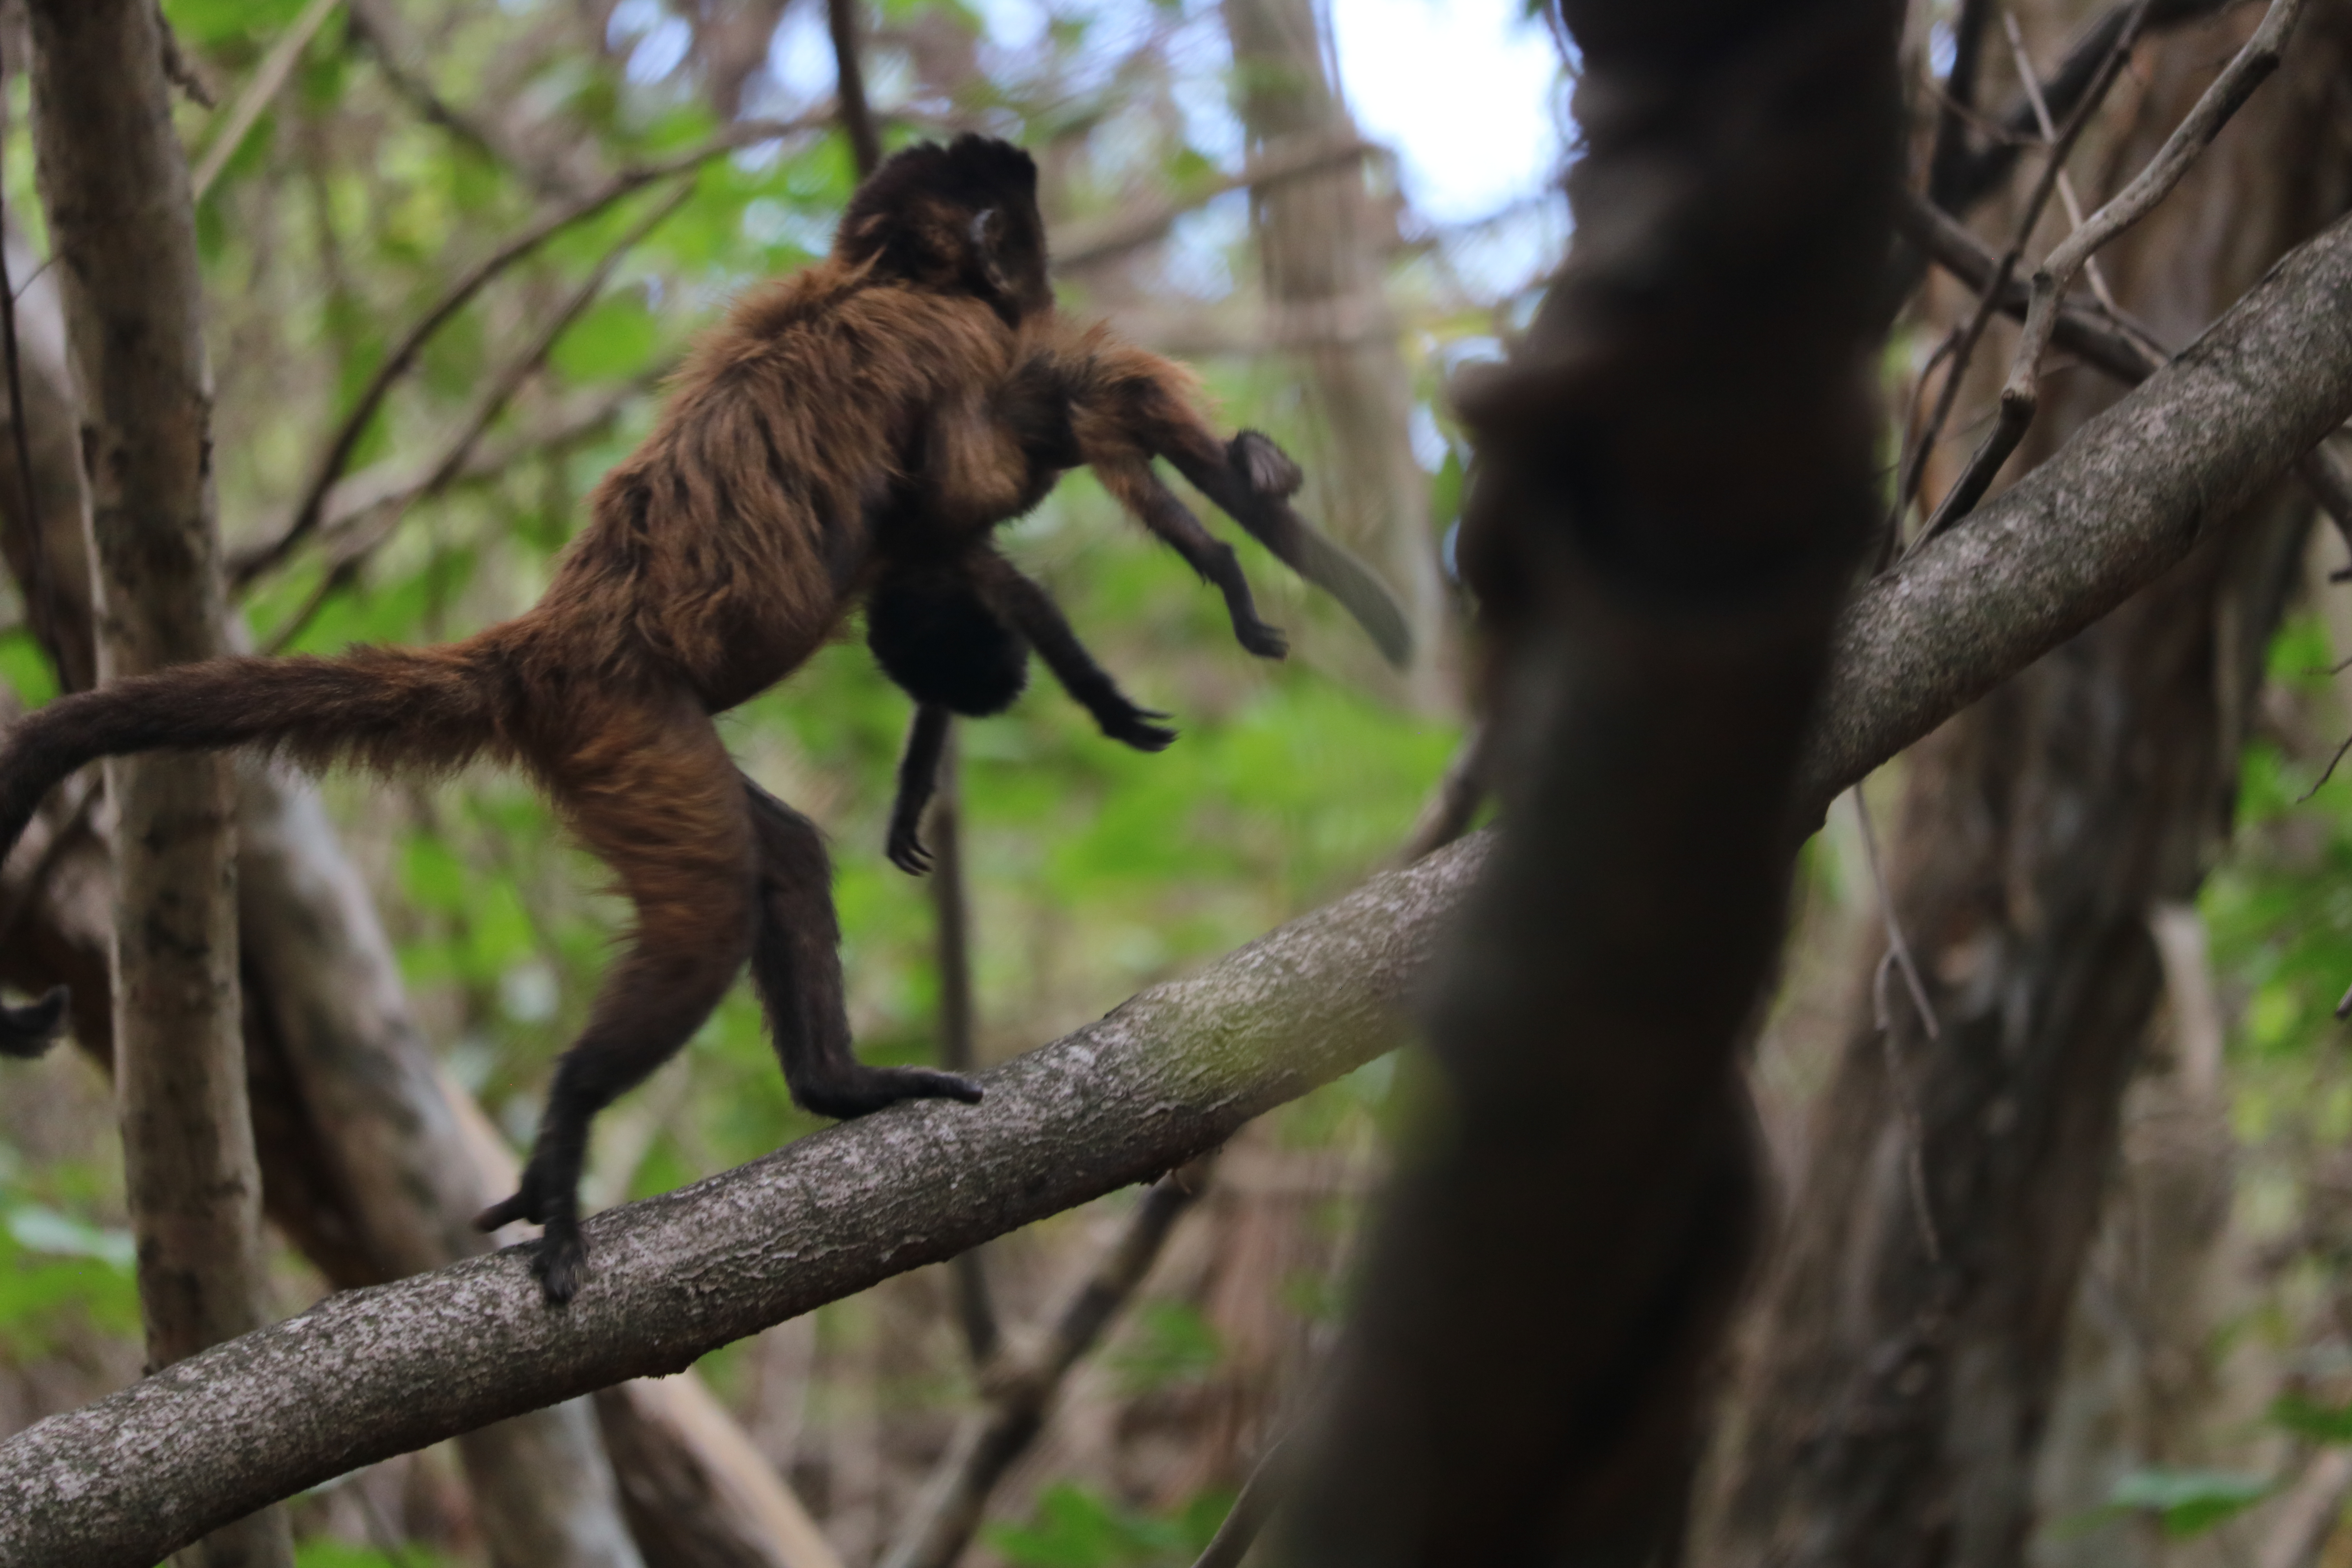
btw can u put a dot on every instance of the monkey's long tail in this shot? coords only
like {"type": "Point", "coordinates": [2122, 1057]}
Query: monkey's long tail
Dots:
{"type": "Point", "coordinates": [433, 707]}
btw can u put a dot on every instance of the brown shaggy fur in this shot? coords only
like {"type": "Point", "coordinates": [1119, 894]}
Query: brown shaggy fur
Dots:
{"type": "Point", "coordinates": [864, 414]}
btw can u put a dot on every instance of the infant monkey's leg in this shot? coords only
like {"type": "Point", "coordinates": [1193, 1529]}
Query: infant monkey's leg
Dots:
{"type": "Point", "coordinates": [918, 776]}
{"type": "Point", "coordinates": [1024, 605]}
{"type": "Point", "coordinates": [796, 965]}
{"type": "Point", "coordinates": [1021, 604]}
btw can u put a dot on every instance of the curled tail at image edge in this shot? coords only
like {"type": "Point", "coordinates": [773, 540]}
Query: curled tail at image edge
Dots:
{"type": "Point", "coordinates": [436, 708]}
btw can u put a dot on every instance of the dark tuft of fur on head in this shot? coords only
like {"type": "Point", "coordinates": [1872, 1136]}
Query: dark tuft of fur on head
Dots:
{"type": "Point", "coordinates": [912, 219]}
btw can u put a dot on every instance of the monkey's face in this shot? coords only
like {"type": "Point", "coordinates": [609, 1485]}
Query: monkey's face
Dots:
{"type": "Point", "coordinates": [962, 217]}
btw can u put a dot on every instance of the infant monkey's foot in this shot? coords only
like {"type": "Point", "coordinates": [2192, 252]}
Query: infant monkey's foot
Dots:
{"type": "Point", "coordinates": [1265, 641]}
{"type": "Point", "coordinates": [1135, 727]}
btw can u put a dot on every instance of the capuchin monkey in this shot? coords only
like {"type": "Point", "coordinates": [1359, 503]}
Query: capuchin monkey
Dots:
{"type": "Point", "coordinates": [854, 429]}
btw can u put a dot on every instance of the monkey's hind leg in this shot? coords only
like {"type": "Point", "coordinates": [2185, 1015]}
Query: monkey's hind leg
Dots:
{"type": "Point", "coordinates": [796, 963]}
{"type": "Point", "coordinates": [654, 794]}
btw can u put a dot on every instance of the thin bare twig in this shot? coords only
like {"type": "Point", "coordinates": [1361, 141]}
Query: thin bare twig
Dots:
{"type": "Point", "coordinates": [338, 447]}
{"type": "Point", "coordinates": [1898, 1081]}
{"type": "Point", "coordinates": [2021, 397]}
{"type": "Point", "coordinates": [2061, 146]}
{"type": "Point", "coordinates": [1445, 815]}
{"type": "Point", "coordinates": [857, 113]}
{"type": "Point", "coordinates": [1268, 1484]}
{"type": "Point", "coordinates": [380, 29]}
{"type": "Point", "coordinates": [2066, 197]}
{"type": "Point", "coordinates": [951, 917]}
{"type": "Point", "coordinates": [956, 1497]}
{"type": "Point", "coordinates": [1091, 244]}
{"type": "Point", "coordinates": [267, 80]}
{"type": "Point", "coordinates": [469, 433]}
{"type": "Point", "coordinates": [2116, 343]}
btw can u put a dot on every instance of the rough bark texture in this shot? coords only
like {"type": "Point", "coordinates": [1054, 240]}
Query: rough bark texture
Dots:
{"type": "Point", "coordinates": [374, 1373]}
{"type": "Point", "coordinates": [1320, 241]}
{"type": "Point", "coordinates": [1521, 1382]}
{"type": "Point", "coordinates": [2128, 499]}
{"type": "Point", "coordinates": [1908, 1363]}
{"type": "Point", "coordinates": [116, 187]}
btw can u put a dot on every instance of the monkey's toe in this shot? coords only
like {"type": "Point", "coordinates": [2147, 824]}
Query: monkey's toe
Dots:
{"type": "Point", "coordinates": [562, 1263]}
{"type": "Point", "coordinates": [505, 1211]}
{"type": "Point", "coordinates": [866, 1089]}
{"type": "Point", "coordinates": [1136, 730]}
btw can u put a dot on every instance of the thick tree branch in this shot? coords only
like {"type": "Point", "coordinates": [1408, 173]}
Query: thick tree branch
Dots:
{"type": "Point", "coordinates": [370, 1373]}
{"type": "Point", "coordinates": [2136, 490]}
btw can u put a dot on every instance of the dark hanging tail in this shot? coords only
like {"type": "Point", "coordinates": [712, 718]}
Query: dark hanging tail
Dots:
{"type": "Point", "coordinates": [430, 707]}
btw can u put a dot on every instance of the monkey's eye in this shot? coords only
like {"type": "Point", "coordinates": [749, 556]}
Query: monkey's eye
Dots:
{"type": "Point", "coordinates": [983, 229]}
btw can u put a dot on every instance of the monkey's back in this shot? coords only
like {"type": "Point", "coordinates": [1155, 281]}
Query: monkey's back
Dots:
{"type": "Point", "coordinates": [727, 548]}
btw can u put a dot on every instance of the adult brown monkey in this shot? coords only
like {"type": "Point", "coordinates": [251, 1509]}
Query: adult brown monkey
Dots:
{"type": "Point", "coordinates": [874, 411]}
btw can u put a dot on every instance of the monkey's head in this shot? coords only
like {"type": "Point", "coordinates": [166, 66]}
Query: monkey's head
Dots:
{"type": "Point", "coordinates": [961, 217]}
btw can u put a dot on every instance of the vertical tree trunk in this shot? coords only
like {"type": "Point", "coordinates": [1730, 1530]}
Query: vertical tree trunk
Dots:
{"type": "Point", "coordinates": [371, 1162]}
{"type": "Point", "coordinates": [1907, 1359]}
{"type": "Point", "coordinates": [116, 185]}
{"type": "Point", "coordinates": [1319, 240]}
{"type": "Point", "coordinates": [1520, 1384]}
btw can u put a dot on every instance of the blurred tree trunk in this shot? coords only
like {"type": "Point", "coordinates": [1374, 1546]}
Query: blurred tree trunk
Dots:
{"type": "Point", "coordinates": [371, 1162]}
{"type": "Point", "coordinates": [1320, 241]}
{"type": "Point", "coordinates": [116, 185]}
{"type": "Point", "coordinates": [1907, 1362]}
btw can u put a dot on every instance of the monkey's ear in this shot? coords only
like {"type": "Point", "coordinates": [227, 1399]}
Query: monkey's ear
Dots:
{"type": "Point", "coordinates": [988, 251]}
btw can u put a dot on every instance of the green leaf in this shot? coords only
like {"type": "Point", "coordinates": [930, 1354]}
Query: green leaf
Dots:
{"type": "Point", "coordinates": [2189, 1502]}
{"type": "Point", "coordinates": [2306, 1417]}
{"type": "Point", "coordinates": [208, 22]}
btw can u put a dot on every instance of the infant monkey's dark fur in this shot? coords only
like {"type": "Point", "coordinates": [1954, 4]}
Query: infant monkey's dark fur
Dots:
{"type": "Point", "coordinates": [865, 422]}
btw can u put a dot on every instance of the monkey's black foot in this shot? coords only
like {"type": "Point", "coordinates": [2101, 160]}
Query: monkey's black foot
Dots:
{"type": "Point", "coordinates": [1266, 467]}
{"type": "Point", "coordinates": [907, 851]}
{"type": "Point", "coordinates": [29, 1030]}
{"type": "Point", "coordinates": [860, 1090]}
{"type": "Point", "coordinates": [562, 1261]}
{"type": "Point", "coordinates": [1265, 641]}
{"type": "Point", "coordinates": [1134, 728]}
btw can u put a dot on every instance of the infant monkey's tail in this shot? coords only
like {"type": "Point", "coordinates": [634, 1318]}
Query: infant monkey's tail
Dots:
{"type": "Point", "coordinates": [434, 707]}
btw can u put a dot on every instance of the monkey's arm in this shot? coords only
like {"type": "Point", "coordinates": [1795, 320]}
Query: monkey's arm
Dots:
{"type": "Point", "coordinates": [918, 776]}
{"type": "Point", "coordinates": [1024, 605]}
{"type": "Point", "coordinates": [1130, 405]}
